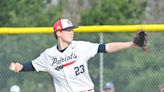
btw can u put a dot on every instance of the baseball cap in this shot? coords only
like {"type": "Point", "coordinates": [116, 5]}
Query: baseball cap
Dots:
{"type": "Point", "coordinates": [108, 85]}
{"type": "Point", "coordinates": [63, 24]}
{"type": "Point", "coordinates": [15, 88]}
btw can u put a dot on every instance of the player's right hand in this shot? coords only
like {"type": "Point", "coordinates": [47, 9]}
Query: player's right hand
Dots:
{"type": "Point", "coordinates": [16, 67]}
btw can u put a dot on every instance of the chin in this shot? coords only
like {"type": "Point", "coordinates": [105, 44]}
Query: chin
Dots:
{"type": "Point", "coordinates": [69, 41]}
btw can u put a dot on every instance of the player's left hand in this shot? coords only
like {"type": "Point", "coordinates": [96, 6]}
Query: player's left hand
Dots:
{"type": "Point", "coordinates": [140, 39]}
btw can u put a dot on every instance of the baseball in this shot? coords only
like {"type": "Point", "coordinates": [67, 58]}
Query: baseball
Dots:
{"type": "Point", "coordinates": [12, 67]}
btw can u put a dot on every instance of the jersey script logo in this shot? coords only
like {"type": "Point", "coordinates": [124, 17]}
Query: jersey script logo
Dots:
{"type": "Point", "coordinates": [57, 61]}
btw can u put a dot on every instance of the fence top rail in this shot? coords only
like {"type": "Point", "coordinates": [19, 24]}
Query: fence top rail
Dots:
{"type": "Point", "coordinates": [95, 28]}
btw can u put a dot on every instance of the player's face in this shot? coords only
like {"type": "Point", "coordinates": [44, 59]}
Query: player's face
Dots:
{"type": "Point", "coordinates": [67, 35]}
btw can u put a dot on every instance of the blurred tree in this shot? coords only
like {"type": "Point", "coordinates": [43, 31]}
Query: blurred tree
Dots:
{"type": "Point", "coordinates": [114, 12]}
{"type": "Point", "coordinates": [28, 13]}
{"type": "Point", "coordinates": [154, 12]}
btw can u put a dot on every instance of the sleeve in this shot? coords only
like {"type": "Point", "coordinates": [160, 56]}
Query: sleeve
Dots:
{"type": "Point", "coordinates": [102, 48]}
{"type": "Point", "coordinates": [28, 67]}
{"type": "Point", "coordinates": [40, 63]}
{"type": "Point", "coordinates": [91, 49]}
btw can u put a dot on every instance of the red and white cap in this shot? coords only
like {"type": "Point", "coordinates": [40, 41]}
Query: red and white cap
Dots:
{"type": "Point", "coordinates": [63, 24]}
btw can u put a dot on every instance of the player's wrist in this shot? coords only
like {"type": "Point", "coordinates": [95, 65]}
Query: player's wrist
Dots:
{"type": "Point", "coordinates": [132, 44]}
{"type": "Point", "coordinates": [20, 68]}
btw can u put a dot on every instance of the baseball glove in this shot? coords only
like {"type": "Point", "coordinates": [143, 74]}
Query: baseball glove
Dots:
{"type": "Point", "coordinates": [140, 39]}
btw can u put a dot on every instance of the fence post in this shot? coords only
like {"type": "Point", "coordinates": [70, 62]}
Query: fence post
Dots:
{"type": "Point", "coordinates": [101, 64]}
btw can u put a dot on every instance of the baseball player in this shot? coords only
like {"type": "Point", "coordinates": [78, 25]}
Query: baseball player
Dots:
{"type": "Point", "coordinates": [109, 87]}
{"type": "Point", "coordinates": [67, 61]}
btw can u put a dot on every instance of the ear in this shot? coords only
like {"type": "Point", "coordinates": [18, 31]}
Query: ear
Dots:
{"type": "Point", "coordinates": [58, 33]}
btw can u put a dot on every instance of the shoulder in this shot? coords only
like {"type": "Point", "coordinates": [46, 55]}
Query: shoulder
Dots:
{"type": "Point", "coordinates": [83, 43]}
{"type": "Point", "coordinates": [49, 51]}
{"type": "Point", "coordinates": [79, 43]}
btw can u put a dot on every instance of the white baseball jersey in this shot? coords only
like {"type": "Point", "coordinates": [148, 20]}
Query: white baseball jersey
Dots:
{"type": "Point", "coordinates": [69, 68]}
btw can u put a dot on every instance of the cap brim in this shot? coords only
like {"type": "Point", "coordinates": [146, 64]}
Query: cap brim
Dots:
{"type": "Point", "coordinates": [74, 26]}
{"type": "Point", "coordinates": [107, 88]}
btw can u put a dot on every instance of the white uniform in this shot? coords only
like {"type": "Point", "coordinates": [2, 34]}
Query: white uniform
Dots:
{"type": "Point", "coordinates": [69, 68]}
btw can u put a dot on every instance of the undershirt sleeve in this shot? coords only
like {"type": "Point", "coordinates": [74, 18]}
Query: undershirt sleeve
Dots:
{"type": "Point", "coordinates": [101, 48]}
{"type": "Point", "coordinates": [28, 67]}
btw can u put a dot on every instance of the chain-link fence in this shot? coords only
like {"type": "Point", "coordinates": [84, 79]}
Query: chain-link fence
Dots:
{"type": "Point", "coordinates": [131, 70]}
